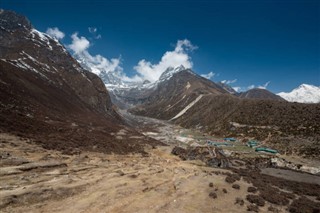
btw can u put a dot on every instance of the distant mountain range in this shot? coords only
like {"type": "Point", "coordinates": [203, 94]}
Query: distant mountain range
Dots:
{"type": "Point", "coordinates": [120, 90]}
{"type": "Point", "coordinates": [305, 93]}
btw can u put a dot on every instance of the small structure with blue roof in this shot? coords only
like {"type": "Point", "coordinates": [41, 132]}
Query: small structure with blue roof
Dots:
{"type": "Point", "coordinates": [230, 139]}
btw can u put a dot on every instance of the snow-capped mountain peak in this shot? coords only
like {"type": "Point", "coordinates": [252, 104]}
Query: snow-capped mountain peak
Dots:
{"type": "Point", "coordinates": [179, 68]}
{"type": "Point", "coordinates": [107, 76]}
{"type": "Point", "coordinates": [170, 71]}
{"type": "Point", "coordinates": [306, 87]}
{"type": "Point", "coordinates": [305, 93]}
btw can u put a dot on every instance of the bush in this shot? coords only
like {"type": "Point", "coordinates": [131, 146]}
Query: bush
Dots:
{"type": "Point", "coordinates": [256, 199]}
{"type": "Point", "coordinates": [213, 195]}
{"type": "Point", "coordinates": [236, 186]}
{"type": "Point", "coordinates": [252, 189]}
{"type": "Point", "coordinates": [230, 179]}
{"type": "Point", "coordinates": [253, 208]}
{"type": "Point", "coordinates": [239, 201]}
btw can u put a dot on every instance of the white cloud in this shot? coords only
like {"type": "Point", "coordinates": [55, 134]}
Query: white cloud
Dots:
{"type": "Point", "coordinates": [93, 31]}
{"type": "Point", "coordinates": [238, 89]}
{"type": "Point", "coordinates": [179, 56]}
{"type": "Point", "coordinates": [260, 87]}
{"type": "Point", "coordinates": [55, 32]}
{"type": "Point", "coordinates": [264, 86]}
{"type": "Point", "coordinates": [251, 87]}
{"type": "Point", "coordinates": [132, 79]}
{"type": "Point", "coordinates": [242, 89]}
{"type": "Point", "coordinates": [99, 64]}
{"type": "Point", "coordinates": [229, 81]}
{"type": "Point", "coordinates": [208, 75]}
{"type": "Point", "coordinates": [79, 44]}
{"type": "Point", "coordinates": [183, 45]}
{"type": "Point", "coordinates": [96, 63]}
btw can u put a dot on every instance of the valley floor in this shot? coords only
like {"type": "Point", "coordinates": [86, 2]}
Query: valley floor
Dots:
{"type": "Point", "coordinates": [48, 181]}
{"type": "Point", "coordinates": [33, 179]}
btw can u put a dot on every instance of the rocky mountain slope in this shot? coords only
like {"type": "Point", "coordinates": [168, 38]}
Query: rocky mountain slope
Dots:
{"type": "Point", "coordinates": [46, 95]}
{"type": "Point", "coordinates": [261, 94]}
{"type": "Point", "coordinates": [227, 87]}
{"type": "Point", "coordinates": [173, 95]}
{"type": "Point", "coordinates": [303, 94]}
{"type": "Point", "coordinates": [127, 95]}
{"type": "Point", "coordinates": [194, 102]}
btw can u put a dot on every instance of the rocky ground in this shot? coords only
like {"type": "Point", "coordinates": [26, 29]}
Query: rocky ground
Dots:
{"type": "Point", "coordinates": [37, 180]}
{"type": "Point", "coordinates": [34, 179]}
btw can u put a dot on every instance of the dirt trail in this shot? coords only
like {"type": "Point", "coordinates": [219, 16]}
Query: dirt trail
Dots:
{"type": "Point", "coordinates": [95, 182]}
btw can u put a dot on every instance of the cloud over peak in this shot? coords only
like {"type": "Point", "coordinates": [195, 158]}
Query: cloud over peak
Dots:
{"type": "Point", "coordinates": [243, 89]}
{"type": "Point", "coordinates": [79, 44]}
{"type": "Point", "coordinates": [264, 86]}
{"type": "Point", "coordinates": [179, 56]}
{"type": "Point", "coordinates": [209, 75]}
{"type": "Point", "coordinates": [229, 81]}
{"type": "Point", "coordinates": [96, 63]}
{"type": "Point", "coordinates": [55, 32]}
{"type": "Point", "coordinates": [250, 87]}
{"type": "Point", "coordinates": [145, 70]}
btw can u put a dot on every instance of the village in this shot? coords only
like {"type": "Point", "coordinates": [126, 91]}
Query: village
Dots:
{"type": "Point", "coordinates": [240, 148]}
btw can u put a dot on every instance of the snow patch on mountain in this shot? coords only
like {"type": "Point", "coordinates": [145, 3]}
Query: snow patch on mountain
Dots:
{"type": "Point", "coordinates": [305, 93]}
{"type": "Point", "coordinates": [187, 107]}
{"type": "Point", "coordinates": [20, 63]}
{"type": "Point", "coordinates": [43, 38]}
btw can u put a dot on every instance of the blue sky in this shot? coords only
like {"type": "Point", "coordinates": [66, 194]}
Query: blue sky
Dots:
{"type": "Point", "coordinates": [254, 41]}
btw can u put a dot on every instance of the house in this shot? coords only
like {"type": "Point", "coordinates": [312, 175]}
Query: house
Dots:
{"type": "Point", "coordinates": [252, 143]}
{"type": "Point", "coordinates": [230, 139]}
{"type": "Point", "coordinates": [262, 149]}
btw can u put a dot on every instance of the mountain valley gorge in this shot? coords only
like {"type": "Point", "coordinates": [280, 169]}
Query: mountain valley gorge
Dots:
{"type": "Point", "coordinates": [74, 141]}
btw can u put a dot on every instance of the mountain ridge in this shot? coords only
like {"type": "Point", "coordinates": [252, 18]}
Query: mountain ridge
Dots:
{"type": "Point", "coordinates": [176, 93]}
{"type": "Point", "coordinates": [257, 93]}
{"type": "Point", "coordinates": [47, 96]}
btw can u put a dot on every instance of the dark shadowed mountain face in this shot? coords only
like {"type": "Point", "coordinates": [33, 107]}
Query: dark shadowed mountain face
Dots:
{"type": "Point", "coordinates": [45, 94]}
{"type": "Point", "coordinates": [44, 61]}
{"type": "Point", "coordinates": [261, 94]}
